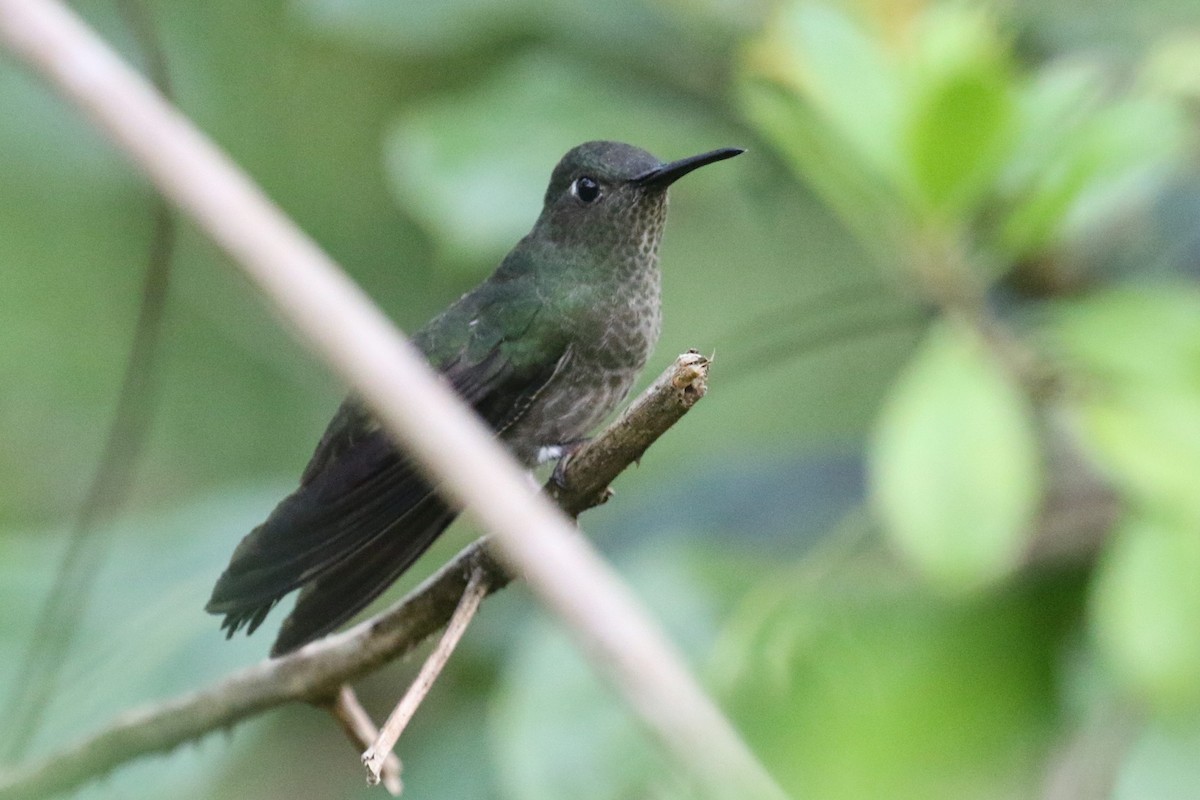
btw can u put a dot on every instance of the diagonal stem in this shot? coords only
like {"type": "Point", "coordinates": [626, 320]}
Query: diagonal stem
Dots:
{"type": "Point", "coordinates": [354, 720]}
{"type": "Point", "coordinates": [375, 756]}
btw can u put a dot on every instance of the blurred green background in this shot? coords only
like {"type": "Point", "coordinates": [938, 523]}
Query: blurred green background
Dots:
{"type": "Point", "coordinates": [953, 282]}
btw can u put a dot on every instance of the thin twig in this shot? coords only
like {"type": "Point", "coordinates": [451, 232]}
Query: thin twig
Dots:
{"type": "Point", "coordinates": [361, 731]}
{"type": "Point", "coordinates": [375, 757]}
{"type": "Point", "coordinates": [316, 672]}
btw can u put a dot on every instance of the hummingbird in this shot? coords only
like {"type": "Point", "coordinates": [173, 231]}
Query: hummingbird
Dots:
{"type": "Point", "coordinates": [543, 350]}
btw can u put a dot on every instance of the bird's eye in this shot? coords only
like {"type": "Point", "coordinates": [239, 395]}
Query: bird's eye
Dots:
{"type": "Point", "coordinates": [586, 189]}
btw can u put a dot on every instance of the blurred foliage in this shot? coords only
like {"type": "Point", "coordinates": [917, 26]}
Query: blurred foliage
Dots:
{"type": "Point", "coordinates": [987, 187]}
{"type": "Point", "coordinates": [956, 452]}
{"type": "Point", "coordinates": [838, 535]}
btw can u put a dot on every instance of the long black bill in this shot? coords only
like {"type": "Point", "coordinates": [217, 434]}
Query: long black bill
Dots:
{"type": "Point", "coordinates": [666, 174]}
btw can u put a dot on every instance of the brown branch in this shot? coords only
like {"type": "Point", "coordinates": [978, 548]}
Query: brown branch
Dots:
{"type": "Point", "coordinates": [590, 469]}
{"type": "Point", "coordinates": [316, 673]}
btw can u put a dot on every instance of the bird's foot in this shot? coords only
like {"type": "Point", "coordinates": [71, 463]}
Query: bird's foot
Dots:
{"type": "Point", "coordinates": [563, 453]}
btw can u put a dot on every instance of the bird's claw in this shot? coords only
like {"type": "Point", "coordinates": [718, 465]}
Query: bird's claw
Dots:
{"type": "Point", "coordinates": [559, 476]}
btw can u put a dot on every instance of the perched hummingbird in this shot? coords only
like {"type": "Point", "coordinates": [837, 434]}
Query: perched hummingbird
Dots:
{"type": "Point", "coordinates": [543, 350]}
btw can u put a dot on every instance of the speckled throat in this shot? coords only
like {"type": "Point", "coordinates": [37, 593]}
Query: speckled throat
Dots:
{"type": "Point", "coordinates": [616, 300]}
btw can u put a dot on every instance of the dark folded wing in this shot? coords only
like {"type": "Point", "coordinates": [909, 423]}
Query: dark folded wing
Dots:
{"type": "Point", "coordinates": [341, 592]}
{"type": "Point", "coordinates": [362, 513]}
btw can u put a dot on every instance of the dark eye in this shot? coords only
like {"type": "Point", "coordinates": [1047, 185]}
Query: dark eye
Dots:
{"type": "Point", "coordinates": [586, 189]}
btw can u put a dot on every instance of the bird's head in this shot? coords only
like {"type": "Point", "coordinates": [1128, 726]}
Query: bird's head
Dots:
{"type": "Point", "coordinates": [609, 194]}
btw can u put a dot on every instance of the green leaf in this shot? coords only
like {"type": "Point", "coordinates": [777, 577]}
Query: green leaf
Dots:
{"type": "Point", "coordinates": [1135, 355]}
{"type": "Point", "coordinates": [955, 463]}
{"type": "Point", "coordinates": [1079, 159]}
{"type": "Point", "coordinates": [1131, 337]}
{"type": "Point", "coordinates": [845, 75]}
{"type": "Point", "coordinates": [1148, 442]}
{"type": "Point", "coordinates": [1146, 609]}
{"type": "Point", "coordinates": [962, 116]}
